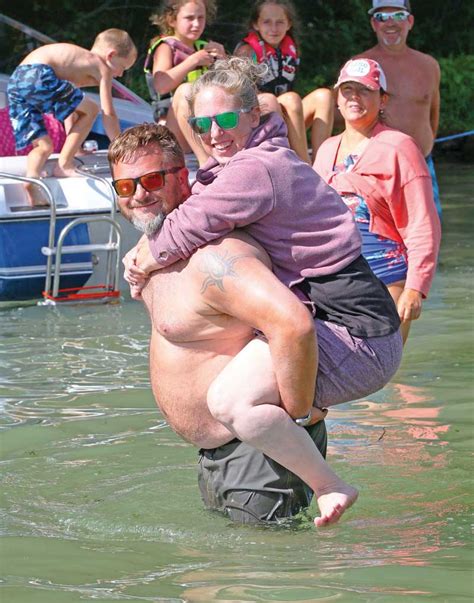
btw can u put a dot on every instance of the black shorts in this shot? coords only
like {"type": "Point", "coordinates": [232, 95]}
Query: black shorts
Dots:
{"type": "Point", "coordinates": [248, 486]}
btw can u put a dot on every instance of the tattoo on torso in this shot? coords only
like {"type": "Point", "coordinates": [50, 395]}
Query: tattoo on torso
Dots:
{"type": "Point", "coordinates": [216, 266]}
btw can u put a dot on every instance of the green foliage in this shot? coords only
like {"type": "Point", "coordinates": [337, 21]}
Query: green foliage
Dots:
{"type": "Point", "coordinates": [330, 32]}
{"type": "Point", "coordinates": [457, 94]}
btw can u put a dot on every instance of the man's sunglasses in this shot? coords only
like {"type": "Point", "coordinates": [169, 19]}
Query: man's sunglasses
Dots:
{"type": "Point", "coordinates": [126, 187]}
{"type": "Point", "coordinates": [398, 16]}
{"type": "Point", "coordinates": [227, 121]}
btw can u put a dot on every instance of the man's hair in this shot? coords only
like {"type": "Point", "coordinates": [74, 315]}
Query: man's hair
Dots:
{"type": "Point", "coordinates": [134, 140]}
{"type": "Point", "coordinates": [169, 9]}
{"type": "Point", "coordinates": [236, 75]}
{"type": "Point", "coordinates": [117, 39]}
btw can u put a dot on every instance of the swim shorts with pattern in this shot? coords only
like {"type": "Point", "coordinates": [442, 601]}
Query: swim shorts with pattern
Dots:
{"type": "Point", "coordinates": [34, 90]}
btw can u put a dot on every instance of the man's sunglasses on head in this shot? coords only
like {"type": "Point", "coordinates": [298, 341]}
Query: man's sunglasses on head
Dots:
{"type": "Point", "coordinates": [401, 15]}
{"type": "Point", "coordinates": [226, 121]}
{"type": "Point", "coordinates": [125, 187]}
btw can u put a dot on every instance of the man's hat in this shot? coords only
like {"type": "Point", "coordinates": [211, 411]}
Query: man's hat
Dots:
{"type": "Point", "coordinates": [378, 4]}
{"type": "Point", "coordinates": [363, 71]}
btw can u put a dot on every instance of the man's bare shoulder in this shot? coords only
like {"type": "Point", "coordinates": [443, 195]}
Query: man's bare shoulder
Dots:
{"type": "Point", "coordinates": [427, 60]}
{"type": "Point", "coordinates": [234, 259]}
{"type": "Point", "coordinates": [213, 262]}
{"type": "Point", "coordinates": [370, 53]}
{"type": "Point", "coordinates": [237, 243]}
{"type": "Point", "coordinates": [379, 54]}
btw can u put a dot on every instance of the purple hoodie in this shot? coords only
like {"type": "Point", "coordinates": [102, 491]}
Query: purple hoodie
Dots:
{"type": "Point", "coordinates": [278, 199]}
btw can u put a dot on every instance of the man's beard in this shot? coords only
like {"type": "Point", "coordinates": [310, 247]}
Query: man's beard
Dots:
{"type": "Point", "coordinates": [149, 227]}
{"type": "Point", "coordinates": [387, 42]}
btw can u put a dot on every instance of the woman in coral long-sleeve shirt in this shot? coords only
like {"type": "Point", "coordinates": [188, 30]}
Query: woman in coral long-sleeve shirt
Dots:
{"type": "Point", "coordinates": [382, 176]}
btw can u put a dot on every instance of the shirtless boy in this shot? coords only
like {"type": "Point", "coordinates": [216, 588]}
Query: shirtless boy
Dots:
{"type": "Point", "coordinates": [48, 80]}
{"type": "Point", "coordinates": [413, 77]}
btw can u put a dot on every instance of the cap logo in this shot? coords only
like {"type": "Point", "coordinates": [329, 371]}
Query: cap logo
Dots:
{"type": "Point", "coordinates": [358, 68]}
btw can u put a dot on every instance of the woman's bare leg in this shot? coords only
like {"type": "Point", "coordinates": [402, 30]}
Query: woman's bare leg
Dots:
{"type": "Point", "coordinates": [318, 110]}
{"type": "Point", "coordinates": [177, 122]}
{"type": "Point", "coordinates": [172, 124]}
{"type": "Point", "coordinates": [245, 398]}
{"type": "Point", "coordinates": [268, 103]}
{"type": "Point", "coordinates": [292, 109]}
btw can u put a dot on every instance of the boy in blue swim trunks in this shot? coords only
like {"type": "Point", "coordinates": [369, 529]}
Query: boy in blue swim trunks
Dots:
{"type": "Point", "coordinates": [48, 80]}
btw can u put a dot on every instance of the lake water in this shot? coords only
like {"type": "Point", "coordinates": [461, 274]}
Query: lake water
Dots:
{"type": "Point", "coordinates": [100, 500]}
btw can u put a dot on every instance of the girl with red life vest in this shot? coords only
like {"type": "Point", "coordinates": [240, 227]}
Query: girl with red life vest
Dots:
{"type": "Point", "coordinates": [271, 41]}
{"type": "Point", "coordinates": [176, 58]}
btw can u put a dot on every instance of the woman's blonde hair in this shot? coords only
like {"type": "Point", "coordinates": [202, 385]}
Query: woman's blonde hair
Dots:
{"type": "Point", "coordinates": [235, 75]}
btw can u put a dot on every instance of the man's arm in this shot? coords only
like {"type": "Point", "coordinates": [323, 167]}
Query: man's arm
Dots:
{"type": "Point", "coordinates": [435, 103]}
{"type": "Point", "coordinates": [234, 280]}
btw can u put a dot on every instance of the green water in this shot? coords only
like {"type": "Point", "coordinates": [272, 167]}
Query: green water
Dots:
{"type": "Point", "coordinates": [100, 500]}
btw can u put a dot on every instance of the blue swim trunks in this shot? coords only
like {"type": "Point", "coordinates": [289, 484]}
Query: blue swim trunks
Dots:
{"type": "Point", "coordinates": [434, 182]}
{"type": "Point", "coordinates": [32, 91]}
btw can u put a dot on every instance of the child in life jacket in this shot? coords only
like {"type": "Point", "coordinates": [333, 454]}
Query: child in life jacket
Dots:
{"type": "Point", "coordinates": [271, 41]}
{"type": "Point", "coordinates": [175, 59]}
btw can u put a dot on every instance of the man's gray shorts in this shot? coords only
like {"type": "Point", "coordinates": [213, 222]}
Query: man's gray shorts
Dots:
{"type": "Point", "coordinates": [248, 486]}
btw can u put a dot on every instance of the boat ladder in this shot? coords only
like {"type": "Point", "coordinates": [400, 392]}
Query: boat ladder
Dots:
{"type": "Point", "coordinates": [106, 291]}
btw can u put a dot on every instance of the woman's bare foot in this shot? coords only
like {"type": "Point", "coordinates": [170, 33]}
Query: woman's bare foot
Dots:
{"type": "Point", "coordinates": [333, 503]}
{"type": "Point", "coordinates": [65, 172]}
{"type": "Point", "coordinates": [35, 195]}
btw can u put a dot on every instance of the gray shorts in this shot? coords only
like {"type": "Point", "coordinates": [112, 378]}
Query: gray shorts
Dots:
{"type": "Point", "coordinates": [352, 367]}
{"type": "Point", "coordinates": [248, 486]}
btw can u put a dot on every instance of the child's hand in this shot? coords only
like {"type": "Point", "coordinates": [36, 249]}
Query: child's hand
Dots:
{"type": "Point", "coordinates": [203, 58]}
{"type": "Point", "coordinates": [216, 49]}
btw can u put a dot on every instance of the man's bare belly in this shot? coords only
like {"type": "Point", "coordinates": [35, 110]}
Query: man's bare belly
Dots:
{"type": "Point", "coordinates": [412, 118]}
{"type": "Point", "coordinates": [190, 345]}
{"type": "Point", "coordinates": [180, 377]}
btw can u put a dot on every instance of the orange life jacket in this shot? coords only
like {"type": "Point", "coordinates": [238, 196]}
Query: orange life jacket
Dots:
{"type": "Point", "coordinates": [282, 62]}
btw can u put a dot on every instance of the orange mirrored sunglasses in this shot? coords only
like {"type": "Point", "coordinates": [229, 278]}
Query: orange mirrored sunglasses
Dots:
{"type": "Point", "coordinates": [126, 187]}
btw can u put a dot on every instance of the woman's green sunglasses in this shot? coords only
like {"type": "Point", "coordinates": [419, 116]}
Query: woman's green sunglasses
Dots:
{"type": "Point", "coordinates": [226, 121]}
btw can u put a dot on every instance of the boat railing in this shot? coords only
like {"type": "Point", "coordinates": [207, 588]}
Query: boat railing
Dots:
{"type": "Point", "coordinates": [112, 247]}
{"type": "Point", "coordinates": [92, 171]}
{"type": "Point", "coordinates": [113, 253]}
{"type": "Point", "coordinates": [54, 251]}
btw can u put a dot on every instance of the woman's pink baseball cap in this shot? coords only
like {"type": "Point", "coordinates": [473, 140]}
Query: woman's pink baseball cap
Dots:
{"type": "Point", "coordinates": [363, 71]}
